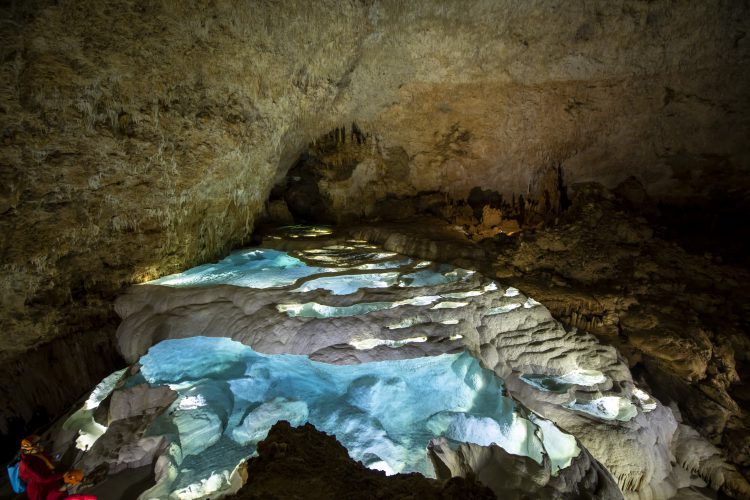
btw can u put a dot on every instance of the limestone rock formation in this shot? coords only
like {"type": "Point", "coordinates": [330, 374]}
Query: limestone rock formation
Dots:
{"type": "Point", "coordinates": [519, 477]}
{"type": "Point", "coordinates": [346, 302]}
{"type": "Point", "coordinates": [136, 140]}
{"type": "Point", "coordinates": [140, 139]}
{"type": "Point", "coordinates": [230, 396]}
{"type": "Point", "coordinates": [118, 440]}
{"type": "Point", "coordinates": [123, 446]}
{"type": "Point", "coordinates": [139, 400]}
{"type": "Point", "coordinates": [676, 317]}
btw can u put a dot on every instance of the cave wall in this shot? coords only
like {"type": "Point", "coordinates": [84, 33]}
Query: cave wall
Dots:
{"type": "Point", "coordinates": [497, 98]}
{"type": "Point", "coordinates": [138, 138]}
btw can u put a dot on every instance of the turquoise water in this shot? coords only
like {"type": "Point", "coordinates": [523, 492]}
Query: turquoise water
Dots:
{"type": "Point", "coordinates": [384, 413]}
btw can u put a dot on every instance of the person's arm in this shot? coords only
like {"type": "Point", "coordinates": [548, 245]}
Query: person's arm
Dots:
{"type": "Point", "coordinates": [27, 473]}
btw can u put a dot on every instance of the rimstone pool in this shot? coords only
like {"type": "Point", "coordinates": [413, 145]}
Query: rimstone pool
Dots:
{"type": "Point", "coordinates": [387, 352]}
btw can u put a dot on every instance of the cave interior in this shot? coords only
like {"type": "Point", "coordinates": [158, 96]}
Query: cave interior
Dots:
{"type": "Point", "coordinates": [435, 249]}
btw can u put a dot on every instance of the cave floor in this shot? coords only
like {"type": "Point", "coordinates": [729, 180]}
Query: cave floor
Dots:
{"type": "Point", "coordinates": [680, 319]}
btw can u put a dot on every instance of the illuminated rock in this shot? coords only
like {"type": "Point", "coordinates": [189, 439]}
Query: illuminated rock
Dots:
{"type": "Point", "coordinates": [163, 192]}
{"type": "Point", "coordinates": [263, 268]}
{"type": "Point", "coordinates": [384, 412]}
{"type": "Point", "coordinates": [514, 477]}
{"type": "Point", "coordinates": [124, 446]}
{"type": "Point", "coordinates": [139, 400]}
{"type": "Point", "coordinates": [345, 316]}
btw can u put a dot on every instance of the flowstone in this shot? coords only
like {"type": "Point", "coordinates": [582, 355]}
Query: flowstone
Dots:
{"type": "Point", "coordinates": [390, 353]}
{"type": "Point", "coordinates": [384, 413]}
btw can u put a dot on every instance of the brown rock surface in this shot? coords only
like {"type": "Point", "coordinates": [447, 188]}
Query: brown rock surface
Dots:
{"type": "Point", "coordinates": [303, 462]}
{"type": "Point", "coordinates": [143, 138]}
{"type": "Point", "coordinates": [137, 139]}
{"type": "Point", "coordinates": [679, 319]}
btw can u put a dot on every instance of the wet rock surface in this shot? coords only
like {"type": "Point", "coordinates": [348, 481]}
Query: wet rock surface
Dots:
{"type": "Point", "coordinates": [137, 140]}
{"type": "Point", "coordinates": [522, 478]}
{"type": "Point", "coordinates": [336, 299]}
{"type": "Point", "coordinates": [378, 315]}
{"type": "Point", "coordinates": [152, 312]}
{"type": "Point", "coordinates": [679, 319]}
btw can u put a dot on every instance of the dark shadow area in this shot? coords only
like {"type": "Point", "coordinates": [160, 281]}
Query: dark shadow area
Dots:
{"type": "Point", "coordinates": [720, 229]}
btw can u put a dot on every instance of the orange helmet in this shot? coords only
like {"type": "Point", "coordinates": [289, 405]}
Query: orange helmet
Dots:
{"type": "Point", "coordinates": [30, 444]}
{"type": "Point", "coordinates": [73, 477]}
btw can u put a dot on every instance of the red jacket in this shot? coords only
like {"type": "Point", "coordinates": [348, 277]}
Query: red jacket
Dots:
{"type": "Point", "coordinates": [42, 482]}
